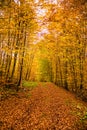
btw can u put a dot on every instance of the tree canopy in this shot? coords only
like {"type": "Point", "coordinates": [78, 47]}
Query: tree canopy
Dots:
{"type": "Point", "coordinates": [44, 41]}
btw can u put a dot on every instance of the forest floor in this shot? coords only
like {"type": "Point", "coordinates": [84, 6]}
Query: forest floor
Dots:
{"type": "Point", "coordinates": [45, 107]}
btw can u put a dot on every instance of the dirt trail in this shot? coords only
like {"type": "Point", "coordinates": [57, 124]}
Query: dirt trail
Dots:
{"type": "Point", "coordinates": [47, 107]}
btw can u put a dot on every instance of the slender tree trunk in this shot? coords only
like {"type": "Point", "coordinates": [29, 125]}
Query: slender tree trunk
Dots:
{"type": "Point", "coordinates": [22, 61]}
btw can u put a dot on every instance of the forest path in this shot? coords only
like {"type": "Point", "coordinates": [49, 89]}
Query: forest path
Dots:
{"type": "Point", "coordinates": [46, 107]}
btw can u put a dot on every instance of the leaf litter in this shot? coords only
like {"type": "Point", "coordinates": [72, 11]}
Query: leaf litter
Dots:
{"type": "Point", "coordinates": [43, 108]}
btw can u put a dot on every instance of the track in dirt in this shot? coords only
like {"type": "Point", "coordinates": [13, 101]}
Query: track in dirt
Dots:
{"type": "Point", "coordinates": [46, 107]}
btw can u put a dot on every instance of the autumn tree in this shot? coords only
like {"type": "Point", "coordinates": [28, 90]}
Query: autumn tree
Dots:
{"type": "Point", "coordinates": [18, 23]}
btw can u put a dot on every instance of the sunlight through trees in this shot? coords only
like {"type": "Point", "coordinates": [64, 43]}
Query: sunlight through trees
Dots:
{"type": "Point", "coordinates": [44, 40]}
